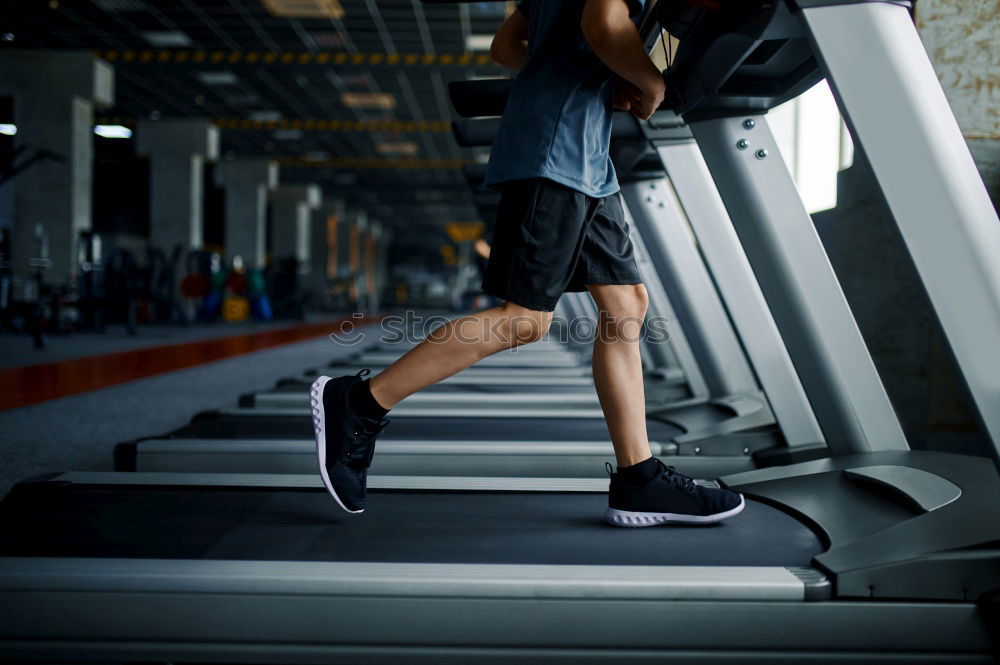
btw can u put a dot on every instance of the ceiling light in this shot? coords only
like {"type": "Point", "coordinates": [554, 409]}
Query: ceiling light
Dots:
{"type": "Point", "coordinates": [352, 81]}
{"type": "Point", "coordinates": [115, 6]}
{"type": "Point", "coordinates": [240, 98]}
{"type": "Point", "coordinates": [217, 78]}
{"type": "Point", "coordinates": [287, 134]}
{"type": "Point", "coordinates": [478, 42]}
{"type": "Point", "coordinates": [265, 116]}
{"type": "Point", "coordinates": [304, 8]}
{"type": "Point", "coordinates": [405, 148]}
{"type": "Point", "coordinates": [113, 131]}
{"type": "Point", "coordinates": [7, 129]}
{"type": "Point", "coordinates": [368, 100]}
{"type": "Point", "coordinates": [316, 156]}
{"type": "Point", "coordinates": [327, 39]}
{"type": "Point", "coordinates": [167, 39]}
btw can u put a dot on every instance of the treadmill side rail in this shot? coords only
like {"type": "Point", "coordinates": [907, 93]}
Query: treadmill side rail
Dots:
{"type": "Point", "coordinates": [313, 578]}
{"type": "Point", "coordinates": [271, 612]}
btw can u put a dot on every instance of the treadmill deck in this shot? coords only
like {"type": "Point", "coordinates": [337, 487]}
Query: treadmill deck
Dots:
{"type": "Point", "coordinates": [53, 519]}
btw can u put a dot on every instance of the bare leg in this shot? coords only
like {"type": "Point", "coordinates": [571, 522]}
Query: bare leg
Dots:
{"type": "Point", "coordinates": [456, 345]}
{"type": "Point", "coordinates": [618, 368]}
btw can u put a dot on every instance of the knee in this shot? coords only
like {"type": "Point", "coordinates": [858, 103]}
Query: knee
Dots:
{"type": "Point", "coordinates": [523, 325]}
{"type": "Point", "coordinates": [628, 302]}
{"type": "Point", "coordinates": [623, 310]}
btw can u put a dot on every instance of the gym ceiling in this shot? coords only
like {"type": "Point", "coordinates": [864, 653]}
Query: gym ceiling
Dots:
{"type": "Point", "coordinates": [351, 94]}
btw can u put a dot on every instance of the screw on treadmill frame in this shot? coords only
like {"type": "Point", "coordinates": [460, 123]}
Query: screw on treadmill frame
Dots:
{"type": "Point", "coordinates": [743, 144]}
{"type": "Point", "coordinates": [662, 204]}
{"type": "Point", "coordinates": [650, 199]}
{"type": "Point", "coordinates": [762, 154]}
{"type": "Point", "coordinates": [749, 123]}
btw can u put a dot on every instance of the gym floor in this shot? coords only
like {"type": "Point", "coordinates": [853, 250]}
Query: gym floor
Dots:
{"type": "Point", "coordinates": [79, 431]}
{"type": "Point", "coordinates": [18, 351]}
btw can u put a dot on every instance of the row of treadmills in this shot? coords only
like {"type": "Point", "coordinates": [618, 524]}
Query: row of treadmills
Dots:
{"type": "Point", "coordinates": [484, 541]}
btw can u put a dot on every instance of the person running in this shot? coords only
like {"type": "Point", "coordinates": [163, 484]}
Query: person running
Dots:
{"type": "Point", "coordinates": [560, 227]}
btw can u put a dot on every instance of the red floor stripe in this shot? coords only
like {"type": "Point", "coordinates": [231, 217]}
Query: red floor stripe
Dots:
{"type": "Point", "coordinates": [21, 386]}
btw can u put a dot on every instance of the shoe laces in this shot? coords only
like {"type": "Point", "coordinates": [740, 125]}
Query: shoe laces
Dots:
{"type": "Point", "coordinates": [364, 443]}
{"type": "Point", "coordinates": [669, 474]}
{"type": "Point", "coordinates": [371, 428]}
{"type": "Point", "coordinates": [366, 429]}
{"type": "Point", "coordinates": [672, 476]}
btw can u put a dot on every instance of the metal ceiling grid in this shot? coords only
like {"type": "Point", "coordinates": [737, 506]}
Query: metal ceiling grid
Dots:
{"type": "Point", "coordinates": [221, 86]}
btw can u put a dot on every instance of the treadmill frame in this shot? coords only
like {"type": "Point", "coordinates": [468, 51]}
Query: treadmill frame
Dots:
{"type": "Point", "coordinates": [310, 612]}
{"type": "Point", "coordinates": [929, 179]}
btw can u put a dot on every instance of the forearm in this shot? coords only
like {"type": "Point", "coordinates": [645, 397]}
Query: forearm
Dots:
{"type": "Point", "coordinates": [510, 54]}
{"type": "Point", "coordinates": [622, 50]}
{"type": "Point", "coordinates": [510, 44]}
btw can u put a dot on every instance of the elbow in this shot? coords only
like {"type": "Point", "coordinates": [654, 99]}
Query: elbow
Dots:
{"type": "Point", "coordinates": [497, 51]}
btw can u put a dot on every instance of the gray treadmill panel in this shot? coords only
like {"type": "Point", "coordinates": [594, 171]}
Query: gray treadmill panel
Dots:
{"type": "Point", "coordinates": [311, 578]}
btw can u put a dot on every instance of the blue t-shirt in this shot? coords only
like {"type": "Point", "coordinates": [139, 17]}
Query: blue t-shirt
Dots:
{"type": "Point", "coordinates": [557, 123]}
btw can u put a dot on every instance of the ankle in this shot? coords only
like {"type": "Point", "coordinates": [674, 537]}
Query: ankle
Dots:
{"type": "Point", "coordinates": [632, 457]}
{"type": "Point", "coordinates": [639, 473]}
{"type": "Point", "coordinates": [380, 394]}
{"type": "Point", "coordinates": [363, 403]}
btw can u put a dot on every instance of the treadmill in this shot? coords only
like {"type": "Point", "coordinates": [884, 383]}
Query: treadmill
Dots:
{"type": "Point", "coordinates": [469, 432]}
{"type": "Point", "coordinates": [545, 442]}
{"type": "Point", "coordinates": [492, 441]}
{"type": "Point", "coordinates": [724, 391]}
{"type": "Point", "coordinates": [463, 433]}
{"type": "Point", "coordinates": [878, 553]}
{"type": "Point", "coordinates": [687, 411]}
{"type": "Point", "coordinates": [233, 568]}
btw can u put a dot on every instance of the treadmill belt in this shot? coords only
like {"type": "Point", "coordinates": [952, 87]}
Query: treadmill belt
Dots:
{"type": "Point", "coordinates": [229, 426]}
{"type": "Point", "coordinates": [45, 519]}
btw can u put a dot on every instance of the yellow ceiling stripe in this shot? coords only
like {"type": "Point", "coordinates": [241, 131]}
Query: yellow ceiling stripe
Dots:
{"type": "Point", "coordinates": [311, 124]}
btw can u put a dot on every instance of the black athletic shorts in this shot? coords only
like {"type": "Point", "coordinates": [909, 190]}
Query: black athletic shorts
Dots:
{"type": "Point", "coordinates": [550, 239]}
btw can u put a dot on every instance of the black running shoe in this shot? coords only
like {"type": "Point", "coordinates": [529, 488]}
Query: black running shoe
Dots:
{"type": "Point", "coordinates": [669, 498]}
{"type": "Point", "coordinates": [345, 442]}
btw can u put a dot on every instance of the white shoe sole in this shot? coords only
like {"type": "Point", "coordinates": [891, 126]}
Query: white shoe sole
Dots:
{"type": "Point", "coordinates": [319, 422]}
{"type": "Point", "coordinates": [631, 519]}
